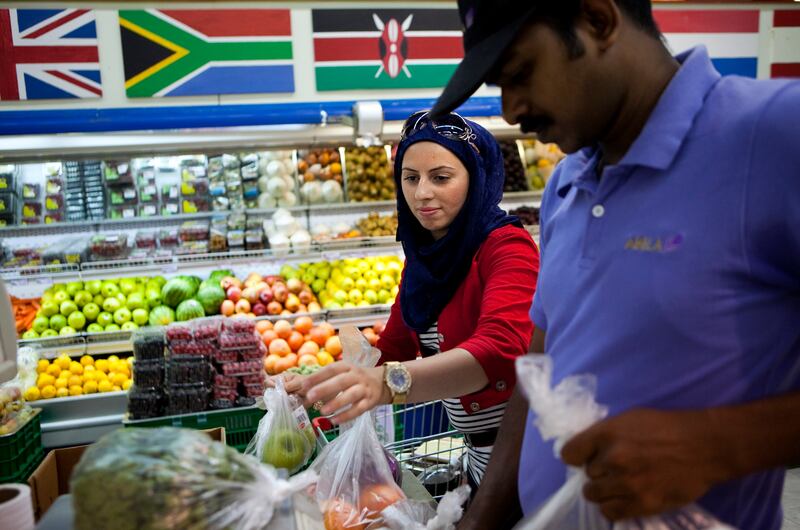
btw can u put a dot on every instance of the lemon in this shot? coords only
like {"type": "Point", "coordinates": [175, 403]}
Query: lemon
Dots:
{"type": "Point", "coordinates": [61, 383]}
{"type": "Point", "coordinates": [127, 384]}
{"type": "Point", "coordinates": [118, 379]}
{"type": "Point", "coordinates": [102, 365]}
{"type": "Point", "coordinates": [100, 376]}
{"type": "Point", "coordinates": [45, 380]}
{"type": "Point", "coordinates": [105, 386]}
{"type": "Point", "coordinates": [76, 368]}
{"type": "Point", "coordinates": [89, 387]}
{"type": "Point", "coordinates": [130, 361]}
{"type": "Point", "coordinates": [90, 376]}
{"type": "Point", "coordinates": [32, 394]}
{"type": "Point", "coordinates": [116, 388]}
{"type": "Point", "coordinates": [54, 370]}
{"type": "Point", "coordinates": [89, 368]}
{"type": "Point", "coordinates": [48, 392]}
{"type": "Point", "coordinates": [113, 358]}
{"type": "Point", "coordinates": [75, 390]}
{"type": "Point", "coordinates": [63, 361]}
{"type": "Point", "coordinates": [87, 360]}
{"type": "Point", "coordinates": [62, 392]}
{"type": "Point", "coordinates": [41, 366]}
{"type": "Point", "coordinates": [75, 380]}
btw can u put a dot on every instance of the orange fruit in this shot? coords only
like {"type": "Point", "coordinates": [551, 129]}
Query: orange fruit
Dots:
{"type": "Point", "coordinates": [284, 363]}
{"type": "Point", "coordinates": [308, 348]}
{"type": "Point", "coordinates": [279, 347]}
{"type": "Point", "coordinates": [333, 346]}
{"type": "Point", "coordinates": [283, 329]}
{"type": "Point", "coordinates": [307, 360]}
{"type": "Point", "coordinates": [268, 336]}
{"type": "Point", "coordinates": [372, 337]}
{"type": "Point", "coordinates": [270, 362]}
{"type": "Point", "coordinates": [377, 497]}
{"type": "Point", "coordinates": [324, 358]}
{"type": "Point", "coordinates": [340, 515]}
{"type": "Point", "coordinates": [262, 326]}
{"type": "Point", "coordinates": [227, 308]}
{"type": "Point", "coordinates": [319, 335]}
{"type": "Point", "coordinates": [303, 324]}
{"type": "Point", "coordinates": [295, 340]}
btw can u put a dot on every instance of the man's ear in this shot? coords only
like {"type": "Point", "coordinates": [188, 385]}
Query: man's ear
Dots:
{"type": "Point", "coordinates": [600, 20]}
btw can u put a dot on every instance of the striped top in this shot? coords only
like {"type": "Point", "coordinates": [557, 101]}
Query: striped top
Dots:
{"type": "Point", "coordinates": [460, 419]}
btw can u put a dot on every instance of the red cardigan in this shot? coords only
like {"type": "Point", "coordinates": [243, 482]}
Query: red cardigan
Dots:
{"type": "Point", "coordinates": [487, 316]}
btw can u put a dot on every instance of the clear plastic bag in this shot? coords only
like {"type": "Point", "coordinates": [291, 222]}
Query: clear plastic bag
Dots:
{"type": "Point", "coordinates": [175, 479]}
{"type": "Point", "coordinates": [562, 412]}
{"type": "Point", "coordinates": [355, 482]}
{"type": "Point", "coordinates": [280, 441]}
{"type": "Point", "coordinates": [417, 515]}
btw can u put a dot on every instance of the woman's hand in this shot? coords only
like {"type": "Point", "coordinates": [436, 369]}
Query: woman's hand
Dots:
{"type": "Point", "coordinates": [292, 383]}
{"type": "Point", "coordinates": [341, 385]}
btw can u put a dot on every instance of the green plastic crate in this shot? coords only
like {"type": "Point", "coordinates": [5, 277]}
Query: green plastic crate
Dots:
{"type": "Point", "coordinates": [240, 424]}
{"type": "Point", "coordinates": [21, 451]}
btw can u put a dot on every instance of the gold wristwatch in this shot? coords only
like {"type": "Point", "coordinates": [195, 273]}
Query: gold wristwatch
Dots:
{"type": "Point", "coordinates": [398, 379]}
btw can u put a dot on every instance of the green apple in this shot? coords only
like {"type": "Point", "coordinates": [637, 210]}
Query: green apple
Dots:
{"type": "Point", "coordinates": [82, 298]}
{"type": "Point", "coordinates": [371, 275]}
{"type": "Point", "coordinates": [140, 316]}
{"type": "Point", "coordinates": [122, 315]}
{"type": "Point", "coordinates": [160, 280]}
{"type": "Point", "coordinates": [76, 320]}
{"type": "Point", "coordinates": [103, 319]}
{"type": "Point", "coordinates": [127, 285]}
{"type": "Point", "coordinates": [99, 299]}
{"type": "Point", "coordinates": [355, 296]}
{"type": "Point", "coordinates": [348, 305]}
{"type": "Point", "coordinates": [112, 327]}
{"type": "Point", "coordinates": [308, 278]}
{"type": "Point", "coordinates": [30, 334]}
{"type": "Point", "coordinates": [347, 284]}
{"type": "Point", "coordinates": [122, 298]}
{"type": "Point", "coordinates": [135, 301]}
{"type": "Point", "coordinates": [68, 307]}
{"type": "Point", "coordinates": [387, 281]}
{"type": "Point", "coordinates": [74, 287]}
{"type": "Point", "coordinates": [109, 289]}
{"type": "Point", "coordinates": [60, 297]}
{"type": "Point", "coordinates": [383, 296]}
{"type": "Point", "coordinates": [93, 286]}
{"type": "Point", "coordinates": [47, 296]}
{"type": "Point", "coordinates": [285, 448]}
{"type": "Point", "coordinates": [111, 304]}
{"type": "Point", "coordinates": [40, 324]}
{"type": "Point", "coordinates": [375, 284]}
{"type": "Point", "coordinates": [361, 284]}
{"type": "Point", "coordinates": [323, 273]}
{"type": "Point", "coordinates": [94, 328]}
{"type": "Point", "coordinates": [318, 285]}
{"type": "Point", "coordinates": [66, 331]}
{"type": "Point", "coordinates": [59, 287]}
{"type": "Point", "coordinates": [58, 321]}
{"type": "Point", "coordinates": [371, 296]}
{"type": "Point", "coordinates": [49, 333]}
{"type": "Point", "coordinates": [153, 297]}
{"type": "Point", "coordinates": [129, 326]}
{"type": "Point", "coordinates": [50, 308]}
{"type": "Point", "coordinates": [331, 304]}
{"type": "Point", "coordinates": [353, 273]}
{"type": "Point", "coordinates": [340, 296]}
{"type": "Point", "coordinates": [379, 268]}
{"type": "Point", "coordinates": [90, 311]}
{"type": "Point", "coordinates": [362, 303]}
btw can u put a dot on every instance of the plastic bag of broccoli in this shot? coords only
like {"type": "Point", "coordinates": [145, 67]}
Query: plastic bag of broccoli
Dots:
{"type": "Point", "coordinates": [167, 478]}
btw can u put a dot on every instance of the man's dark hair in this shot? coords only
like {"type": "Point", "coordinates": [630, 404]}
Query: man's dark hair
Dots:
{"type": "Point", "coordinates": [561, 16]}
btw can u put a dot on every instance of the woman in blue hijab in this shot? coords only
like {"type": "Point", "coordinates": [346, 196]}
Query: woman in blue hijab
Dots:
{"type": "Point", "coordinates": [461, 317]}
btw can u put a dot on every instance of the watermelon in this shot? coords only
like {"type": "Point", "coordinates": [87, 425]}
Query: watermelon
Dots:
{"type": "Point", "coordinates": [218, 275]}
{"type": "Point", "coordinates": [161, 316]}
{"type": "Point", "coordinates": [211, 297]}
{"type": "Point", "coordinates": [177, 290]}
{"type": "Point", "coordinates": [189, 309]}
{"type": "Point", "coordinates": [193, 280]}
{"type": "Point", "coordinates": [209, 283]}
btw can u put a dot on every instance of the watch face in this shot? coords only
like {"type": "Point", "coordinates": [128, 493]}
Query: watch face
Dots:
{"type": "Point", "coordinates": [398, 380]}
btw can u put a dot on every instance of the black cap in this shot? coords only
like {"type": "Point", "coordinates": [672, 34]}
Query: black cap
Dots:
{"type": "Point", "coordinates": [489, 28]}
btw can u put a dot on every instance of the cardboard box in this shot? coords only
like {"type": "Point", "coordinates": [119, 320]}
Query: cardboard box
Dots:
{"type": "Point", "coordinates": [51, 478]}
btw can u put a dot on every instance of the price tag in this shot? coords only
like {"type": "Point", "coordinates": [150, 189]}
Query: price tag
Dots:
{"type": "Point", "coordinates": [173, 192]}
{"type": "Point", "coordinates": [128, 213]}
{"type": "Point", "coordinates": [129, 193]}
{"type": "Point", "coordinates": [169, 268]}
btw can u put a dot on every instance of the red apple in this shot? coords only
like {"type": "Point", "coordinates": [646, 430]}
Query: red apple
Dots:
{"type": "Point", "coordinates": [259, 309]}
{"type": "Point", "coordinates": [271, 279]}
{"type": "Point", "coordinates": [274, 308]}
{"type": "Point", "coordinates": [227, 282]}
{"type": "Point", "coordinates": [266, 296]}
{"type": "Point", "coordinates": [306, 296]}
{"type": "Point", "coordinates": [292, 303]}
{"type": "Point", "coordinates": [234, 293]}
{"type": "Point", "coordinates": [280, 292]}
{"type": "Point", "coordinates": [250, 294]}
{"type": "Point", "coordinates": [294, 285]}
{"type": "Point", "coordinates": [243, 306]}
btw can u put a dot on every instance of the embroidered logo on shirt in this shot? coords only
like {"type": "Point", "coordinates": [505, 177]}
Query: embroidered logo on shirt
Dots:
{"type": "Point", "coordinates": [654, 244]}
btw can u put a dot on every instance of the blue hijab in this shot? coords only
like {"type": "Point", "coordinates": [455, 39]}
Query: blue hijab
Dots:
{"type": "Point", "coordinates": [435, 269]}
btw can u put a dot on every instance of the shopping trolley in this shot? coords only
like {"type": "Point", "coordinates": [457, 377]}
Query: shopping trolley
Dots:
{"type": "Point", "coordinates": [421, 438]}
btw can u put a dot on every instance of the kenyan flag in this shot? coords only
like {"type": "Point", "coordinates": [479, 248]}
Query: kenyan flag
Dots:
{"type": "Point", "coordinates": [206, 52]}
{"type": "Point", "coordinates": [385, 48]}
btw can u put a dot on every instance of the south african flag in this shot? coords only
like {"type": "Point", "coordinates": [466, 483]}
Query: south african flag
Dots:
{"type": "Point", "coordinates": [173, 52]}
{"type": "Point", "coordinates": [385, 48]}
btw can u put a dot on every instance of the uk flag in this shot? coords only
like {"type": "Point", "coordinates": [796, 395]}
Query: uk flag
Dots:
{"type": "Point", "coordinates": [48, 54]}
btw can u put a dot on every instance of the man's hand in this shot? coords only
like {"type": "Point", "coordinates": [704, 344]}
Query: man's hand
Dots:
{"type": "Point", "coordinates": [645, 462]}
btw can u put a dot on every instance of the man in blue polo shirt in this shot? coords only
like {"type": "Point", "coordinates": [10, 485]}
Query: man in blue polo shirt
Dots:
{"type": "Point", "coordinates": [670, 262]}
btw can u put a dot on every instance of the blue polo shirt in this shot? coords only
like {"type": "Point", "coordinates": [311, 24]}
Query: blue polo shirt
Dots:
{"type": "Point", "coordinates": [675, 277]}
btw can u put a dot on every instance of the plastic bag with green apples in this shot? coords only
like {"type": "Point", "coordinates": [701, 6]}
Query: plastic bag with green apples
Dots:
{"type": "Point", "coordinates": [285, 438]}
{"type": "Point", "coordinates": [175, 479]}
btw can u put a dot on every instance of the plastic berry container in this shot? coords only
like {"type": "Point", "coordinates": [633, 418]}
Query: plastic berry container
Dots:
{"type": "Point", "coordinates": [145, 403]}
{"type": "Point", "coordinates": [253, 390]}
{"type": "Point", "coordinates": [253, 379]}
{"type": "Point", "coordinates": [238, 341]}
{"type": "Point", "coordinates": [187, 372]}
{"type": "Point", "coordinates": [177, 332]}
{"type": "Point", "coordinates": [240, 367]}
{"type": "Point", "coordinates": [222, 356]}
{"type": "Point", "coordinates": [148, 374]}
{"type": "Point", "coordinates": [192, 348]}
{"type": "Point", "coordinates": [219, 404]}
{"type": "Point", "coordinates": [207, 329]}
{"type": "Point", "coordinates": [242, 326]}
{"type": "Point", "coordinates": [185, 400]}
{"type": "Point", "coordinates": [225, 381]}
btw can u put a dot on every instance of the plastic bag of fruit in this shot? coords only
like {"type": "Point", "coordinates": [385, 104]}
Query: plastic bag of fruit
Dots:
{"type": "Point", "coordinates": [562, 412]}
{"type": "Point", "coordinates": [355, 482]}
{"type": "Point", "coordinates": [285, 438]}
{"type": "Point", "coordinates": [175, 479]}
